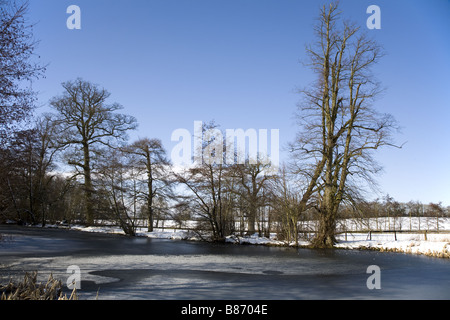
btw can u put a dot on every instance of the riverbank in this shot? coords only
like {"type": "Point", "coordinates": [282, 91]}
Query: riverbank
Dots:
{"type": "Point", "coordinates": [436, 244]}
{"type": "Point", "coordinates": [118, 267]}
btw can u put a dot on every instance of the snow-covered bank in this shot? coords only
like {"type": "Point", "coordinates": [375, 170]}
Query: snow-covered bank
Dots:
{"type": "Point", "coordinates": [435, 244]}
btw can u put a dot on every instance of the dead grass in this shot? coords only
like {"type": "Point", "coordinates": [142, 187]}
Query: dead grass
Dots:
{"type": "Point", "coordinates": [28, 289]}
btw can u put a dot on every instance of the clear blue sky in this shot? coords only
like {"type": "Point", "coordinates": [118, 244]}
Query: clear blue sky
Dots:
{"type": "Point", "coordinates": [171, 62]}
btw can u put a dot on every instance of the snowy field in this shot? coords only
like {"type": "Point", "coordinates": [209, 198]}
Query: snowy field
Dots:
{"type": "Point", "coordinates": [425, 239]}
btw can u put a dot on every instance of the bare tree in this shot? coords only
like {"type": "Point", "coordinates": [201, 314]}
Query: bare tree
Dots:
{"type": "Point", "coordinates": [86, 124]}
{"type": "Point", "coordinates": [150, 157]}
{"type": "Point", "coordinates": [27, 174]}
{"type": "Point", "coordinates": [414, 210]}
{"type": "Point", "coordinates": [285, 203]}
{"type": "Point", "coordinates": [436, 210]}
{"type": "Point", "coordinates": [207, 187]}
{"type": "Point", "coordinates": [17, 68]}
{"type": "Point", "coordinates": [46, 150]}
{"type": "Point", "coordinates": [118, 184]}
{"type": "Point", "coordinates": [253, 178]}
{"type": "Point", "coordinates": [340, 128]}
{"type": "Point", "coordinates": [182, 213]}
{"type": "Point", "coordinates": [18, 175]}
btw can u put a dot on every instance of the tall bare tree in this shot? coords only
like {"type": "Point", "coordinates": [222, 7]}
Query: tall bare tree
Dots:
{"type": "Point", "coordinates": [86, 124]}
{"type": "Point", "coordinates": [339, 126]}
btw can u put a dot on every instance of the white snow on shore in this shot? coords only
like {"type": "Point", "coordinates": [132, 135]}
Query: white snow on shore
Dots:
{"type": "Point", "coordinates": [436, 245]}
{"type": "Point", "coordinates": [431, 243]}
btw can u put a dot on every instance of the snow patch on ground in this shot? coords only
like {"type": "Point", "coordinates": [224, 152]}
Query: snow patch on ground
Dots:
{"type": "Point", "coordinates": [433, 244]}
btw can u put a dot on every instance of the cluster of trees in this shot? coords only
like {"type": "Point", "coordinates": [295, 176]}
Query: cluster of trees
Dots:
{"type": "Point", "coordinates": [88, 135]}
{"type": "Point", "coordinates": [107, 177]}
{"type": "Point", "coordinates": [389, 210]}
{"type": "Point", "coordinates": [77, 164]}
{"type": "Point", "coordinates": [389, 207]}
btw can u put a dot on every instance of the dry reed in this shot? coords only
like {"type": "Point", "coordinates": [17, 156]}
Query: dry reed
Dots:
{"type": "Point", "coordinates": [29, 289]}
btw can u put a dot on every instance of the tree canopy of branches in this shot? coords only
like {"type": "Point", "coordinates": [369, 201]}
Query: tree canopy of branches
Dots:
{"type": "Point", "coordinates": [86, 124]}
{"type": "Point", "coordinates": [18, 146]}
{"type": "Point", "coordinates": [339, 127]}
{"type": "Point", "coordinates": [17, 68]}
{"type": "Point", "coordinates": [253, 179]}
{"type": "Point", "coordinates": [206, 185]}
{"type": "Point", "coordinates": [149, 156]}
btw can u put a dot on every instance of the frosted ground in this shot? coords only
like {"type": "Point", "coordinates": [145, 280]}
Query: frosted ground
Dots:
{"type": "Point", "coordinates": [424, 240]}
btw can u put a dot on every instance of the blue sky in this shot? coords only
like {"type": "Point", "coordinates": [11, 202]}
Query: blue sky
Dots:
{"type": "Point", "coordinates": [171, 62]}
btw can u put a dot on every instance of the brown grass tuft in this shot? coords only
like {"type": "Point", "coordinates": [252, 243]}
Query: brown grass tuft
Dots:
{"type": "Point", "coordinates": [28, 289]}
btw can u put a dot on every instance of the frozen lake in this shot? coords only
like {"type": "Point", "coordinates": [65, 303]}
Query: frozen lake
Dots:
{"type": "Point", "coordinates": [119, 267]}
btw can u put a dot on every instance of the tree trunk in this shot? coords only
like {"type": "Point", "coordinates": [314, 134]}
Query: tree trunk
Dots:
{"type": "Point", "coordinates": [325, 237]}
{"type": "Point", "coordinates": [149, 214]}
{"type": "Point", "coordinates": [251, 219]}
{"type": "Point", "coordinates": [88, 188]}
